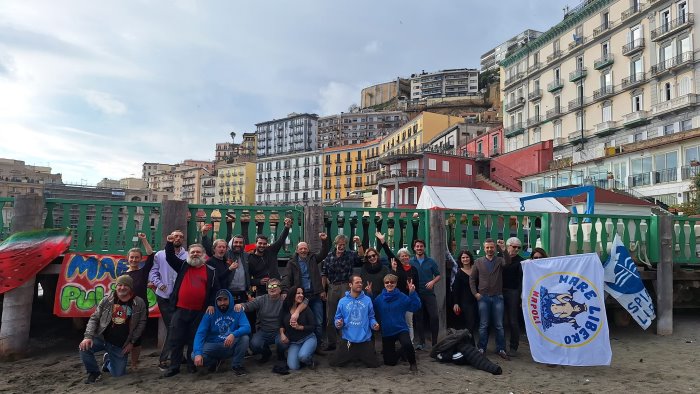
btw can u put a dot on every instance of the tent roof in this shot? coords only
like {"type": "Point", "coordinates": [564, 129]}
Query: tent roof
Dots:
{"type": "Point", "coordinates": [435, 197]}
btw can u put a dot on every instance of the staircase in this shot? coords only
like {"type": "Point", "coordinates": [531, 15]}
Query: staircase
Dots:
{"type": "Point", "coordinates": [659, 208]}
{"type": "Point", "coordinates": [491, 184]}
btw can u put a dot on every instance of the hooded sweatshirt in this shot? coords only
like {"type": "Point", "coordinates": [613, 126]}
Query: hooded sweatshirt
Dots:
{"type": "Point", "coordinates": [358, 317]}
{"type": "Point", "coordinates": [216, 327]}
{"type": "Point", "coordinates": [392, 306]}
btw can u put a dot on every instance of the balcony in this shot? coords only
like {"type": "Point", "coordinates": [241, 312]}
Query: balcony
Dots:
{"type": "Point", "coordinates": [577, 42]}
{"type": "Point", "coordinates": [358, 184]}
{"type": "Point", "coordinates": [515, 129]}
{"type": "Point", "coordinates": [555, 85]}
{"type": "Point", "coordinates": [603, 28]}
{"type": "Point", "coordinates": [633, 47]}
{"type": "Point", "coordinates": [535, 120]}
{"type": "Point", "coordinates": [676, 104]}
{"type": "Point", "coordinates": [348, 172]}
{"type": "Point", "coordinates": [642, 179]}
{"type": "Point", "coordinates": [578, 74]}
{"type": "Point", "coordinates": [672, 27]}
{"type": "Point", "coordinates": [554, 56]}
{"type": "Point", "coordinates": [635, 118]}
{"type": "Point", "coordinates": [536, 94]}
{"type": "Point", "coordinates": [513, 79]}
{"type": "Point", "coordinates": [534, 67]}
{"type": "Point", "coordinates": [684, 58]}
{"type": "Point", "coordinates": [688, 172]}
{"type": "Point", "coordinates": [358, 171]}
{"type": "Point", "coordinates": [579, 136]}
{"type": "Point", "coordinates": [605, 91]}
{"type": "Point", "coordinates": [394, 174]}
{"type": "Point", "coordinates": [577, 103]}
{"type": "Point", "coordinates": [633, 80]}
{"type": "Point", "coordinates": [630, 12]}
{"type": "Point", "coordinates": [516, 103]}
{"type": "Point", "coordinates": [555, 113]}
{"type": "Point", "coordinates": [604, 61]}
{"type": "Point", "coordinates": [666, 175]}
{"type": "Point", "coordinates": [606, 128]}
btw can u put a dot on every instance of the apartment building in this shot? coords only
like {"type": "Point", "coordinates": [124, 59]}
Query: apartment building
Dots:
{"type": "Point", "coordinates": [357, 127]}
{"type": "Point", "coordinates": [289, 179]}
{"type": "Point", "coordinates": [416, 132]}
{"type": "Point", "coordinates": [349, 170]}
{"type": "Point", "coordinates": [230, 151]}
{"type": "Point", "coordinates": [151, 169]}
{"type": "Point", "coordinates": [293, 134]}
{"type": "Point", "coordinates": [613, 72]}
{"type": "Point", "coordinates": [207, 189]}
{"type": "Point", "coordinates": [613, 75]}
{"type": "Point", "coordinates": [445, 83]}
{"type": "Point", "coordinates": [18, 178]}
{"type": "Point", "coordinates": [491, 59]}
{"type": "Point", "coordinates": [235, 184]}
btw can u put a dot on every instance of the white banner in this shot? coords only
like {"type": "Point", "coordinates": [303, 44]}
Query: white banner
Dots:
{"type": "Point", "coordinates": [623, 282]}
{"type": "Point", "coordinates": [564, 308]}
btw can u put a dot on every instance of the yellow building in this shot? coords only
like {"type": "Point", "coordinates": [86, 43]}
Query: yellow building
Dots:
{"type": "Point", "coordinates": [349, 170]}
{"type": "Point", "coordinates": [419, 130]}
{"type": "Point", "coordinates": [235, 183]}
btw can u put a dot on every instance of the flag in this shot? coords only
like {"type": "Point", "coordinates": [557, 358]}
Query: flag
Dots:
{"type": "Point", "coordinates": [564, 308]}
{"type": "Point", "coordinates": [622, 281]}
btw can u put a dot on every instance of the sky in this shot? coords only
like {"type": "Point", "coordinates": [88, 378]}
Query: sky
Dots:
{"type": "Point", "coordinates": [94, 89]}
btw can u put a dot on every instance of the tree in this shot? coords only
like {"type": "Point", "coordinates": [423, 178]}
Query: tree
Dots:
{"type": "Point", "coordinates": [692, 205]}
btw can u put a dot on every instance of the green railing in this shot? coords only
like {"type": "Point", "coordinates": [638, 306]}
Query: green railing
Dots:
{"type": "Point", "coordinates": [686, 249]}
{"type": "Point", "coordinates": [248, 222]}
{"type": "Point", "coordinates": [595, 233]}
{"type": "Point", "coordinates": [105, 226]}
{"type": "Point", "coordinates": [5, 216]}
{"type": "Point", "coordinates": [467, 230]}
{"type": "Point", "coordinates": [399, 226]}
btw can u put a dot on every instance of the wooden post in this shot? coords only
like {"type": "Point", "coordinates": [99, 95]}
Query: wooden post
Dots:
{"type": "Point", "coordinates": [17, 303]}
{"type": "Point", "coordinates": [313, 224]}
{"type": "Point", "coordinates": [438, 247]}
{"type": "Point", "coordinates": [558, 241]}
{"type": "Point", "coordinates": [173, 217]}
{"type": "Point", "coordinates": [664, 277]}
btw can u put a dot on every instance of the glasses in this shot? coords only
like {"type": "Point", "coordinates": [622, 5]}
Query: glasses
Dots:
{"type": "Point", "coordinates": [390, 282]}
{"type": "Point", "coordinates": [369, 256]}
{"type": "Point", "coordinates": [515, 246]}
{"type": "Point", "coordinates": [273, 286]}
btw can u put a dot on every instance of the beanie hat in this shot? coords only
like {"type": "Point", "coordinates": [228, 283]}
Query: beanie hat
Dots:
{"type": "Point", "coordinates": [125, 280]}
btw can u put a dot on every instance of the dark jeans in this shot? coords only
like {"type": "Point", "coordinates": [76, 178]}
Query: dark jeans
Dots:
{"type": "Point", "coordinates": [214, 352]}
{"type": "Point", "coordinates": [183, 327]}
{"type": "Point", "coordinates": [262, 340]}
{"type": "Point", "coordinates": [391, 356]}
{"type": "Point", "coordinates": [166, 313]}
{"type": "Point", "coordinates": [362, 352]}
{"type": "Point", "coordinates": [428, 308]}
{"type": "Point", "coordinates": [491, 312]}
{"type": "Point", "coordinates": [116, 361]}
{"type": "Point", "coordinates": [316, 305]}
{"type": "Point", "coordinates": [513, 310]}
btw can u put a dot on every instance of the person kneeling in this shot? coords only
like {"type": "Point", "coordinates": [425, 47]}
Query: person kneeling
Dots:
{"type": "Point", "coordinates": [298, 334]}
{"type": "Point", "coordinates": [392, 305]}
{"type": "Point", "coordinates": [222, 335]}
{"type": "Point", "coordinates": [355, 317]}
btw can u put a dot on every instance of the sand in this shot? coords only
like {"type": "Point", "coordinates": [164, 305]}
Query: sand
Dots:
{"type": "Point", "coordinates": [642, 363]}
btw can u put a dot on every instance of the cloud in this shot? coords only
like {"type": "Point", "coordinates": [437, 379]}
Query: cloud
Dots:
{"type": "Point", "coordinates": [372, 47]}
{"type": "Point", "coordinates": [104, 102]}
{"type": "Point", "coordinates": [336, 97]}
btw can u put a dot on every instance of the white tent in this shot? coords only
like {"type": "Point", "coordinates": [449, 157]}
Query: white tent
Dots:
{"type": "Point", "coordinates": [434, 197]}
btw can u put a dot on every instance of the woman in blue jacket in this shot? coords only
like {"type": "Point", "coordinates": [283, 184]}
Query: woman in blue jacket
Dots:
{"type": "Point", "coordinates": [391, 306]}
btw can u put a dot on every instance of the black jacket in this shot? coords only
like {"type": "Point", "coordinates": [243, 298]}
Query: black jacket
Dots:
{"type": "Point", "coordinates": [266, 265]}
{"type": "Point", "coordinates": [314, 261]}
{"type": "Point", "coordinates": [181, 267]}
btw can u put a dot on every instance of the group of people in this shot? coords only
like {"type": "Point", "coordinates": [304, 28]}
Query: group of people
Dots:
{"type": "Point", "coordinates": [222, 303]}
{"type": "Point", "coordinates": [488, 289]}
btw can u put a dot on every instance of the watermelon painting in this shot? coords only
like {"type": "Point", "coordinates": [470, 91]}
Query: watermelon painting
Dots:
{"type": "Point", "coordinates": [24, 254]}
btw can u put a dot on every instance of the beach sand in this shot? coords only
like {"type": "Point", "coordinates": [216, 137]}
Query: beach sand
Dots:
{"type": "Point", "coordinates": [642, 363]}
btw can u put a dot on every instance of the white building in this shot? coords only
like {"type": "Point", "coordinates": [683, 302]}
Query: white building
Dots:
{"type": "Point", "coordinates": [445, 83]}
{"type": "Point", "coordinates": [290, 179]}
{"type": "Point", "coordinates": [295, 133]}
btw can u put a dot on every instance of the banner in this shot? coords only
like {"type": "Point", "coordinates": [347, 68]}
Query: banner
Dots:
{"type": "Point", "coordinates": [564, 308]}
{"type": "Point", "coordinates": [85, 279]}
{"type": "Point", "coordinates": [622, 281]}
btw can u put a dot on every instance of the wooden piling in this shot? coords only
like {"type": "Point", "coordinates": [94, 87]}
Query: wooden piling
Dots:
{"type": "Point", "coordinates": [438, 247]}
{"type": "Point", "coordinates": [664, 277]}
{"type": "Point", "coordinates": [17, 303]}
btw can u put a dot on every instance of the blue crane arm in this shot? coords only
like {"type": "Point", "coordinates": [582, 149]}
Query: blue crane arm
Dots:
{"type": "Point", "coordinates": [570, 192]}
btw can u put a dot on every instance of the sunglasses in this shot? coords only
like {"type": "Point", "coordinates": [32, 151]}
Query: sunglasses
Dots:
{"type": "Point", "coordinates": [369, 256]}
{"type": "Point", "coordinates": [515, 246]}
{"type": "Point", "coordinates": [390, 282]}
{"type": "Point", "coordinates": [273, 286]}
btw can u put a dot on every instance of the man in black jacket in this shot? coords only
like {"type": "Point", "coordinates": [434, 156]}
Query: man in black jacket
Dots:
{"type": "Point", "coordinates": [262, 263]}
{"type": "Point", "coordinates": [303, 271]}
{"type": "Point", "coordinates": [194, 292]}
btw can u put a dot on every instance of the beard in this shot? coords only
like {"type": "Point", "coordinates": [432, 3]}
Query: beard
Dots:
{"type": "Point", "coordinates": [195, 261]}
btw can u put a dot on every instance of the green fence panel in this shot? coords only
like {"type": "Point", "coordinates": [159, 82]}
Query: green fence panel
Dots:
{"type": "Point", "coordinates": [684, 237]}
{"type": "Point", "coordinates": [595, 233]}
{"type": "Point", "coordinates": [6, 204]}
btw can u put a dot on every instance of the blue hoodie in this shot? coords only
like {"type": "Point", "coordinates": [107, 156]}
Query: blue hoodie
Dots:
{"type": "Point", "coordinates": [358, 317]}
{"type": "Point", "coordinates": [215, 328]}
{"type": "Point", "coordinates": [392, 307]}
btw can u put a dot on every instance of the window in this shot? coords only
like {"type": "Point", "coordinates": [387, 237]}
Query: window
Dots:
{"type": "Point", "coordinates": [684, 86]}
{"type": "Point", "coordinates": [555, 46]}
{"type": "Point", "coordinates": [494, 141]}
{"type": "Point", "coordinates": [536, 135]}
{"type": "Point", "coordinates": [411, 195]}
{"type": "Point", "coordinates": [579, 62]}
{"type": "Point", "coordinates": [557, 74]}
{"type": "Point", "coordinates": [445, 166]}
{"type": "Point", "coordinates": [666, 55]}
{"type": "Point", "coordinates": [638, 137]}
{"type": "Point", "coordinates": [606, 80]}
{"type": "Point", "coordinates": [637, 102]}
{"type": "Point", "coordinates": [684, 47]}
{"type": "Point", "coordinates": [432, 164]}
{"type": "Point", "coordinates": [579, 120]}
{"type": "Point", "coordinates": [668, 129]}
{"type": "Point", "coordinates": [536, 84]}
{"type": "Point", "coordinates": [641, 165]}
{"type": "Point", "coordinates": [605, 20]}
{"type": "Point", "coordinates": [607, 111]}
{"type": "Point", "coordinates": [682, 11]}
{"type": "Point", "coordinates": [480, 147]}
{"type": "Point", "coordinates": [666, 93]}
{"type": "Point", "coordinates": [557, 129]}
{"type": "Point", "coordinates": [665, 19]}
{"type": "Point", "coordinates": [686, 125]}
{"type": "Point", "coordinates": [605, 48]}
{"type": "Point", "coordinates": [468, 169]}
{"type": "Point", "coordinates": [634, 35]}
{"type": "Point", "coordinates": [535, 58]}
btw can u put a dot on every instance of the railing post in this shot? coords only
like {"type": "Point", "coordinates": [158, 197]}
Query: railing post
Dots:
{"type": "Point", "coordinates": [664, 277]}
{"type": "Point", "coordinates": [558, 241]}
{"type": "Point", "coordinates": [438, 248]}
{"type": "Point", "coordinates": [313, 224]}
{"type": "Point", "coordinates": [17, 303]}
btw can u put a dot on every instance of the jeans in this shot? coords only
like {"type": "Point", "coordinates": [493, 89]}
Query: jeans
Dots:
{"type": "Point", "coordinates": [261, 341]}
{"type": "Point", "coordinates": [513, 310]}
{"type": "Point", "coordinates": [167, 314]}
{"type": "Point", "coordinates": [316, 306]}
{"type": "Point", "coordinates": [491, 309]}
{"type": "Point", "coordinates": [116, 361]}
{"type": "Point", "coordinates": [429, 308]}
{"type": "Point", "coordinates": [301, 351]}
{"type": "Point", "coordinates": [214, 352]}
{"type": "Point", "coordinates": [409, 322]}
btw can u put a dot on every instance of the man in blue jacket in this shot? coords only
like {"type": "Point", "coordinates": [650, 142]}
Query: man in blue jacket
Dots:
{"type": "Point", "coordinates": [221, 336]}
{"type": "Point", "coordinates": [355, 318]}
{"type": "Point", "coordinates": [428, 276]}
{"type": "Point", "coordinates": [392, 305]}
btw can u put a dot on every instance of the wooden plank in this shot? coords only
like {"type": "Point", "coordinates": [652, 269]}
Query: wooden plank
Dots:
{"type": "Point", "coordinates": [664, 293]}
{"type": "Point", "coordinates": [437, 246]}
